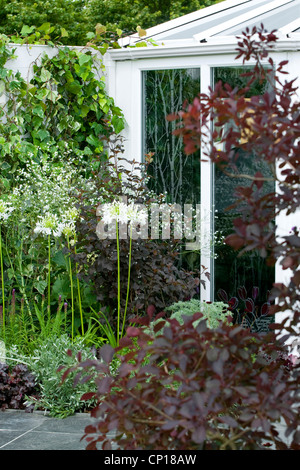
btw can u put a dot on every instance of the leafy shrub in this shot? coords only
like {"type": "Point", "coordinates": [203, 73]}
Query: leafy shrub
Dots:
{"type": "Point", "coordinates": [156, 276]}
{"type": "Point", "coordinates": [213, 312]}
{"type": "Point", "coordinates": [60, 399]}
{"type": "Point", "coordinates": [15, 383]}
{"type": "Point", "coordinates": [193, 388]}
{"type": "Point", "coordinates": [49, 115]}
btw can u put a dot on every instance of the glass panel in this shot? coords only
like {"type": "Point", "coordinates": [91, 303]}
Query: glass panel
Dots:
{"type": "Point", "coordinates": [250, 270]}
{"type": "Point", "coordinates": [171, 171]}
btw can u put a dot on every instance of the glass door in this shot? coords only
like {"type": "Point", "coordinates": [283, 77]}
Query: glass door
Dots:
{"type": "Point", "coordinates": [170, 171]}
{"type": "Point", "coordinates": [244, 279]}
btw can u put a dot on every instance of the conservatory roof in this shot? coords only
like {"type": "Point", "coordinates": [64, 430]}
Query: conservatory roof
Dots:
{"type": "Point", "coordinates": [225, 20]}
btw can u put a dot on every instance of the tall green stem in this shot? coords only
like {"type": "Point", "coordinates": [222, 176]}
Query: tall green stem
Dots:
{"type": "Point", "coordinates": [2, 286]}
{"type": "Point", "coordinates": [72, 294]}
{"type": "Point", "coordinates": [79, 294]}
{"type": "Point", "coordinates": [49, 270]}
{"type": "Point", "coordinates": [128, 280]}
{"type": "Point", "coordinates": [119, 284]}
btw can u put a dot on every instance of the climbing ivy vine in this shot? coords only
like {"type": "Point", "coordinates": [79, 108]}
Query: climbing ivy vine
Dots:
{"type": "Point", "coordinates": [65, 104]}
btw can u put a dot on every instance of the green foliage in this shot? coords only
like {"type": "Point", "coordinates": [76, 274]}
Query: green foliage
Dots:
{"type": "Point", "coordinates": [60, 399]}
{"type": "Point", "coordinates": [52, 134]}
{"type": "Point", "coordinates": [64, 102]}
{"type": "Point", "coordinates": [129, 14]}
{"type": "Point", "coordinates": [68, 16]}
{"type": "Point", "coordinates": [213, 312]}
{"type": "Point", "coordinates": [74, 19]}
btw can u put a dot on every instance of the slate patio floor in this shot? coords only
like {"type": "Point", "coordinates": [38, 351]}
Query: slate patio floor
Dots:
{"type": "Point", "coordinates": [38, 431]}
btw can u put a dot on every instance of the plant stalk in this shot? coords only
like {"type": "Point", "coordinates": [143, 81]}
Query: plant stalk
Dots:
{"type": "Point", "coordinates": [128, 279]}
{"type": "Point", "coordinates": [79, 294]}
{"type": "Point", "coordinates": [49, 269]}
{"type": "Point", "coordinates": [72, 293]}
{"type": "Point", "coordinates": [2, 286]}
{"type": "Point", "coordinates": [119, 284]}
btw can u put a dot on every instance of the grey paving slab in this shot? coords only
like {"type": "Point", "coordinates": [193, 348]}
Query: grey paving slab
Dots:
{"type": "Point", "coordinates": [37, 440]}
{"type": "Point", "coordinates": [7, 436]}
{"type": "Point", "coordinates": [19, 420]}
{"type": "Point", "coordinates": [37, 431]}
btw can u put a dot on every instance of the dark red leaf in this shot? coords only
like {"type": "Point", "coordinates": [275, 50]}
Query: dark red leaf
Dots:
{"type": "Point", "coordinates": [107, 352]}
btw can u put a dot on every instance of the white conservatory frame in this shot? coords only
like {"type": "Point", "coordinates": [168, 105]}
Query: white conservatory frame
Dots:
{"type": "Point", "coordinates": [210, 48]}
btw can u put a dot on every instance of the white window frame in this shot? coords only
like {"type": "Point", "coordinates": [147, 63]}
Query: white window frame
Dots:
{"type": "Point", "coordinates": [126, 88]}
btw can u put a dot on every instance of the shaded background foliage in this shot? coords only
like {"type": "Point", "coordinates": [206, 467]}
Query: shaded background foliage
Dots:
{"type": "Point", "coordinates": [78, 17]}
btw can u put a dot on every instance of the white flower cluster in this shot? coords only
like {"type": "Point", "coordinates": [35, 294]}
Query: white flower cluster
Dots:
{"type": "Point", "coordinates": [124, 213]}
{"type": "Point", "coordinates": [6, 209]}
{"type": "Point", "coordinates": [47, 225]}
{"type": "Point", "coordinates": [51, 224]}
{"type": "Point", "coordinates": [46, 188]}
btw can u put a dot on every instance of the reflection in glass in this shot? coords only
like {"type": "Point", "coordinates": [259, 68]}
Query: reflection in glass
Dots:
{"type": "Point", "coordinates": [171, 171]}
{"type": "Point", "coordinates": [250, 270]}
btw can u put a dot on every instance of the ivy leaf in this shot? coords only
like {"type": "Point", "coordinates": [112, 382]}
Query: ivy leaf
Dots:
{"type": "Point", "coordinates": [82, 72]}
{"type": "Point", "coordinates": [38, 111]}
{"type": "Point", "coordinates": [100, 28]}
{"type": "Point", "coordinates": [27, 30]}
{"type": "Point", "coordinates": [84, 110]}
{"type": "Point", "coordinates": [52, 95]}
{"type": "Point", "coordinates": [42, 134]}
{"type": "Point", "coordinates": [74, 87]}
{"type": "Point", "coordinates": [5, 166]}
{"type": "Point", "coordinates": [45, 28]}
{"type": "Point", "coordinates": [90, 35]}
{"type": "Point", "coordinates": [118, 124]}
{"type": "Point", "coordinates": [45, 75]}
{"type": "Point", "coordinates": [84, 59]}
{"type": "Point", "coordinates": [92, 140]}
{"type": "Point", "coordinates": [141, 32]}
{"type": "Point", "coordinates": [64, 33]}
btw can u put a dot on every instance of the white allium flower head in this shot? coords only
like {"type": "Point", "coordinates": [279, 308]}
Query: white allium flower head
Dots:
{"type": "Point", "coordinates": [67, 229]}
{"type": "Point", "coordinates": [48, 225]}
{"type": "Point", "coordinates": [71, 215]}
{"type": "Point", "coordinates": [136, 214]}
{"type": "Point", "coordinates": [124, 213]}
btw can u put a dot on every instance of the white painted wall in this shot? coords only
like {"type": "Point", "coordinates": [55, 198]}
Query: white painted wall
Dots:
{"type": "Point", "coordinates": [26, 56]}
